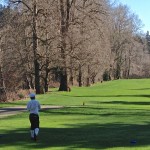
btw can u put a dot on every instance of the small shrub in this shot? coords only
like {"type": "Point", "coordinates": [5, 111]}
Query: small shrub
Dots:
{"type": "Point", "coordinates": [21, 96]}
{"type": "Point", "coordinates": [106, 76]}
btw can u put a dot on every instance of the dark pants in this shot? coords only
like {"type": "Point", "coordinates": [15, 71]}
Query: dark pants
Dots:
{"type": "Point", "coordinates": [34, 120]}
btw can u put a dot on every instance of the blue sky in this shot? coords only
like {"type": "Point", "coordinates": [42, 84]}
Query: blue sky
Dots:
{"type": "Point", "coordinates": [140, 8]}
{"type": "Point", "coordinates": [1, 1]}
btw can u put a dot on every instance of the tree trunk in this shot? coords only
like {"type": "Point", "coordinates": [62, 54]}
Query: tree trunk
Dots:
{"type": "Point", "coordinates": [88, 78]}
{"type": "Point", "coordinates": [71, 80]}
{"type": "Point", "coordinates": [63, 80]}
{"type": "Point", "coordinates": [37, 77]}
{"type": "Point", "coordinates": [80, 76]}
{"type": "Point", "coordinates": [35, 41]}
{"type": "Point", "coordinates": [46, 80]}
{"type": "Point", "coordinates": [31, 82]}
{"type": "Point", "coordinates": [3, 96]}
{"type": "Point", "coordinates": [64, 29]}
{"type": "Point", "coordinates": [118, 71]}
{"type": "Point", "coordinates": [26, 84]}
{"type": "Point", "coordinates": [71, 73]}
{"type": "Point", "coordinates": [129, 66]}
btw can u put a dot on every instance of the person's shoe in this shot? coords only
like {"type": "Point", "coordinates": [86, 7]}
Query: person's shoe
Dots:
{"type": "Point", "coordinates": [35, 137]}
{"type": "Point", "coordinates": [32, 138]}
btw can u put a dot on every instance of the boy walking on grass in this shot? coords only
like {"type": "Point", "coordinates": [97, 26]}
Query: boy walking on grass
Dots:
{"type": "Point", "coordinates": [33, 106]}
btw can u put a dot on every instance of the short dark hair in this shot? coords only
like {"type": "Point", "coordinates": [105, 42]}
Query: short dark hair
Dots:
{"type": "Point", "coordinates": [32, 97]}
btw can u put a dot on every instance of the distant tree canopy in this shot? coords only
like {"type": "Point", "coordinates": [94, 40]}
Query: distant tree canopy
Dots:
{"type": "Point", "coordinates": [70, 42]}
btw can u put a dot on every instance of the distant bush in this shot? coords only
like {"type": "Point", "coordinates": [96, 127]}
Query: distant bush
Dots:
{"type": "Point", "coordinates": [106, 76]}
{"type": "Point", "coordinates": [21, 96]}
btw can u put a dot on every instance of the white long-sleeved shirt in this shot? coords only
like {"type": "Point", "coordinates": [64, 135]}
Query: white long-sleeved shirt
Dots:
{"type": "Point", "coordinates": [33, 106]}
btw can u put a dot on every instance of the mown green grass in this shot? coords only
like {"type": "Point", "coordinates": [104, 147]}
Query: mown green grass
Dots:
{"type": "Point", "coordinates": [114, 113]}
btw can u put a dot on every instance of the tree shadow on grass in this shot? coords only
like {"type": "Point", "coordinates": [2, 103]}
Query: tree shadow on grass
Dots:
{"type": "Point", "coordinates": [92, 136]}
{"type": "Point", "coordinates": [121, 95]}
{"type": "Point", "coordinates": [97, 112]}
{"type": "Point", "coordinates": [11, 109]}
{"type": "Point", "coordinates": [122, 102]}
{"type": "Point", "coordinates": [141, 89]}
{"type": "Point", "coordinates": [140, 95]}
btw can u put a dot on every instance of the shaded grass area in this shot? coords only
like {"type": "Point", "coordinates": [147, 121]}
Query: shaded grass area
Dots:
{"type": "Point", "coordinates": [80, 128]}
{"type": "Point", "coordinates": [90, 136]}
{"type": "Point", "coordinates": [114, 114]}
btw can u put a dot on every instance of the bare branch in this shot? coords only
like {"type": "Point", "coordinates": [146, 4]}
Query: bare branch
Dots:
{"type": "Point", "coordinates": [20, 1]}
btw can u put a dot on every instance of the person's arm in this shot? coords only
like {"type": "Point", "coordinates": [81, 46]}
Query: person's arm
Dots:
{"type": "Point", "coordinates": [28, 106]}
{"type": "Point", "coordinates": [39, 106]}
